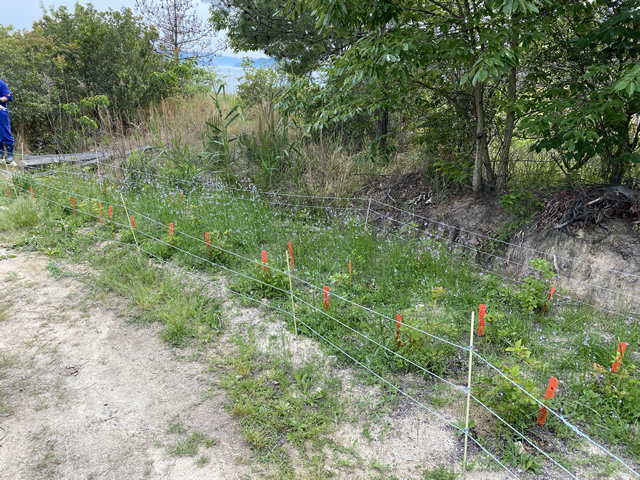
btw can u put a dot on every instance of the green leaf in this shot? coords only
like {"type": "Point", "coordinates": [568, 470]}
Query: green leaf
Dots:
{"type": "Point", "coordinates": [631, 88]}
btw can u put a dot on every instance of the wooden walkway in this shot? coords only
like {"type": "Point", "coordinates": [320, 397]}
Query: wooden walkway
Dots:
{"type": "Point", "coordinates": [33, 162]}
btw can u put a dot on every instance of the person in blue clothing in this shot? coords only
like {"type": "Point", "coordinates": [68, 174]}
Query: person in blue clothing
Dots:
{"type": "Point", "coordinates": [6, 139]}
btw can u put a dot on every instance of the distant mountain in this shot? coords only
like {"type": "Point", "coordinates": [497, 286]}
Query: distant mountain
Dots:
{"type": "Point", "coordinates": [259, 62]}
{"type": "Point", "coordinates": [222, 61]}
{"type": "Point", "coordinates": [225, 61]}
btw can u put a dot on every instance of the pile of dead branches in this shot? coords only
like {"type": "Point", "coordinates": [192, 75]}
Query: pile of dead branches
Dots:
{"type": "Point", "coordinates": [587, 207]}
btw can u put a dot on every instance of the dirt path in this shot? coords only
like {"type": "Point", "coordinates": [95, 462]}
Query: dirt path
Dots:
{"type": "Point", "coordinates": [89, 396]}
{"type": "Point", "coordinates": [86, 395]}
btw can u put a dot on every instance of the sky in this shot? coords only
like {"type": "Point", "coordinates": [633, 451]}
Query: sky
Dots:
{"type": "Point", "coordinates": [22, 13]}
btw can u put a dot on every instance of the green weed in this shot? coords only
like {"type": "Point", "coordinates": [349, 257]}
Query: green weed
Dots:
{"type": "Point", "coordinates": [20, 214]}
{"type": "Point", "coordinates": [534, 292]}
{"type": "Point", "coordinates": [440, 473]}
{"type": "Point", "coordinates": [515, 455]}
{"type": "Point", "coordinates": [276, 402]}
{"type": "Point", "coordinates": [190, 446]}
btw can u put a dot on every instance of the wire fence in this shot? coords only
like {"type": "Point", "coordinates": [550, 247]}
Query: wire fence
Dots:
{"type": "Point", "coordinates": [493, 262]}
{"type": "Point", "coordinates": [365, 204]}
{"type": "Point", "coordinates": [471, 264]}
{"type": "Point", "coordinates": [308, 286]}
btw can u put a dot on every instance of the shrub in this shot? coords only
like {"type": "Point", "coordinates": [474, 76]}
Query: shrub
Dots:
{"type": "Point", "coordinates": [532, 296]}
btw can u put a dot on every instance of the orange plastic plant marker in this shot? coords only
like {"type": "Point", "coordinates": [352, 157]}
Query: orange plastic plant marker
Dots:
{"type": "Point", "coordinates": [551, 391]}
{"type": "Point", "coordinates": [291, 255]}
{"type": "Point", "coordinates": [619, 354]}
{"type": "Point", "coordinates": [481, 314]}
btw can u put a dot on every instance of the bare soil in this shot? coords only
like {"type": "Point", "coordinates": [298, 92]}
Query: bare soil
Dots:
{"type": "Point", "coordinates": [87, 395]}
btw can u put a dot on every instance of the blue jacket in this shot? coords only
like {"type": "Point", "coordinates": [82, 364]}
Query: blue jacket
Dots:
{"type": "Point", "coordinates": [5, 92]}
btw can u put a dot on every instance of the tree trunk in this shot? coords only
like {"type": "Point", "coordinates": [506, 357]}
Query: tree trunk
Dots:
{"type": "Point", "coordinates": [617, 173]}
{"type": "Point", "coordinates": [488, 168]}
{"type": "Point", "coordinates": [481, 140]}
{"type": "Point", "coordinates": [616, 169]}
{"type": "Point", "coordinates": [383, 130]}
{"type": "Point", "coordinates": [509, 125]}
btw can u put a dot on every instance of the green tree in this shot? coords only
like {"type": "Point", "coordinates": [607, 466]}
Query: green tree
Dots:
{"type": "Point", "coordinates": [266, 25]}
{"type": "Point", "coordinates": [479, 44]}
{"type": "Point", "coordinates": [71, 57]}
{"type": "Point", "coordinates": [589, 104]}
{"type": "Point", "coordinates": [30, 67]}
{"type": "Point", "coordinates": [103, 53]}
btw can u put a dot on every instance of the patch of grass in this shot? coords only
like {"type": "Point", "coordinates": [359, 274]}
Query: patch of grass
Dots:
{"type": "Point", "coordinates": [54, 269]}
{"type": "Point", "coordinates": [277, 402]}
{"type": "Point", "coordinates": [186, 312]}
{"type": "Point", "coordinates": [11, 276]}
{"type": "Point", "coordinates": [6, 362]}
{"type": "Point", "coordinates": [176, 426]}
{"type": "Point", "coordinates": [20, 214]}
{"type": "Point", "coordinates": [515, 455]}
{"type": "Point", "coordinates": [189, 446]}
{"type": "Point", "coordinates": [49, 460]}
{"type": "Point", "coordinates": [440, 473]}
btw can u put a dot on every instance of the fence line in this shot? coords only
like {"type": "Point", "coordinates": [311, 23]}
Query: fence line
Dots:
{"type": "Point", "coordinates": [479, 252]}
{"type": "Point", "coordinates": [283, 272]}
{"type": "Point", "coordinates": [355, 331]}
{"type": "Point", "coordinates": [403, 211]}
{"type": "Point", "coordinates": [311, 329]}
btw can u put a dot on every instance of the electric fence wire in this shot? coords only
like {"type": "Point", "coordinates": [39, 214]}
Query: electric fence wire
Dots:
{"type": "Point", "coordinates": [427, 220]}
{"type": "Point", "coordinates": [401, 210]}
{"type": "Point", "coordinates": [297, 278]}
{"type": "Point", "coordinates": [483, 253]}
{"type": "Point", "coordinates": [311, 329]}
{"type": "Point", "coordinates": [435, 337]}
{"type": "Point", "coordinates": [553, 412]}
{"type": "Point", "coordinates": [474, 266]}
